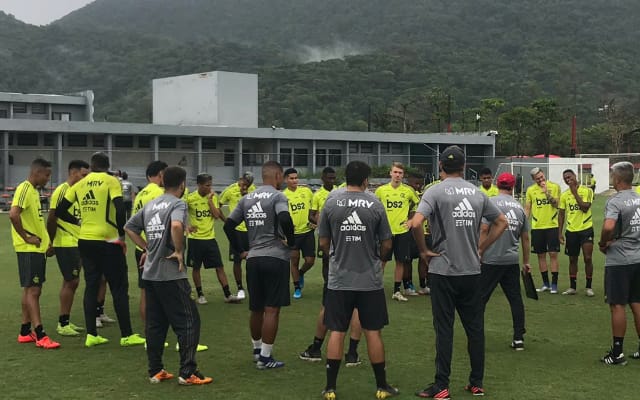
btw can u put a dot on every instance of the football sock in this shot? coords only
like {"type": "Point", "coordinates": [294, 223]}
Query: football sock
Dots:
{"type": "Point", "coordinates": [226, 291]}
{"type": "Point", "coordinates": [64, 320]}
{"type": "Point", "coordinates": [25, 329]}
{"type": "Point", "coordinates": [554, 278]}
{"type": "Point", "coordinates": [380, 373]}
{"type": "Point", "coordinates": [257, 344]}
{"type": "Point", "coordinates": [317, 343]}
{"type": "Point", "coordinates": [265, 350]}
{"type": "Point", "coordinates": [545, 277]}
{"type": "Point", "coordinates": [239, 283]}
{"type": "Point", "coordinates": [589, 280]}
{"type": "Point", "coordinates": [100, 308]}
{"type": "Point", "coordinates": [40, 333]}
{"type": "Point", "coordinates": [406, 283]}
{"type": "Point", "coordinates": [296, 285]}
{"type": "Point", "coordinates": [572, 280]}
{"type": "Point", "coordinates": [353, 346]}
{"type": "Point", "coordinates": [617, 345]}
{"type": "Point", "coordinates": [423, 282]}
{"type": "Point", "coordinates": [396, 286]}
{"type": "Point", "coordinates": [199, 291]}
{"type": "Point", "coordinates": [333, 366]}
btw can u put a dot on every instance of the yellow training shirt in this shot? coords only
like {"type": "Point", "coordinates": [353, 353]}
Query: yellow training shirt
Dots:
{"type": "Point", "coordinates": [28, 199]}
{"type": "Point", "coordinates": [230, 196]}
{"type": "Point", "coordinates": [397, 203]}
{"type": "Point", "coordinates": [200, 216]}
{"type": "Point", "coordinates": [543, 214]}
{"type": "Point", "coordinates": [95, 194]}
{"type": "Point", "coordinates": [299, 207]}
{"type": "Point", "coordinates": [66, 233]}
{"type": "Point", "coordinates": [492, 191]}
{"type": "Point", "coordinates": [576, 219]}
{"type": "Point", "coordinates": [148, 193]}
{"type": "Point", "coordinates": [319, 198]}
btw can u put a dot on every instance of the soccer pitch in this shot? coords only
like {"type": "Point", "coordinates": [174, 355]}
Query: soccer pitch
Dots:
{"type": "Point", "coordinates": [566, 336]}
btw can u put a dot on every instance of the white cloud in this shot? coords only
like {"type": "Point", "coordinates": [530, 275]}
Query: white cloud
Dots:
{"type": "Point", "coordinates": [40, 12]}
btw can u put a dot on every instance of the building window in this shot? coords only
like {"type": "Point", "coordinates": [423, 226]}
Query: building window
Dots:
{"type": "Point", "coordinates": [38, 108]}
{"type": "Point", "coordinates": [335, 157]}
{"type": "Point", "coordinates": [285, 157]}
{"type": "Point", "coordinates": [252, 159]}
{"type": "Point", "coordinates": [366, 147]}
{"type": "Point", "coordinates": [19, 108]}
{"type": "Point", "coordinates": [50, 139]}
{"type": "Point", "coordinates": [167, 142]}
{"type": "Point", "coordinates": [396, 148]}
{"type": "Point", "coordinates": [321, 157]}
{"type": "Point", "coordinates": [76, 140]}
{"type": "Point", "coordinates": [353, 147]}
{"type": "Point", "coordinates": [27, 139]}
{"type": "Point", "coordinates": [384, 148]}
{"type": "Point", "coordinates": [186, 142]}
{"type": "Point", "coordinates": [229, 157]}
{"type": "Point", "coordinates": [123, 141]}
{"type": "Point", "coordinates": [301, 157]}
{"type": "Point", "coordinates": [144, 142]}
{"type": "Point", "coordinates": [209, 143]}
{"type": "Point", "coordinates": [61, 116]}
{"type": "Point", "coordinates": [4, 114]}
{"type": "Point", "coordinates": [98, 141]}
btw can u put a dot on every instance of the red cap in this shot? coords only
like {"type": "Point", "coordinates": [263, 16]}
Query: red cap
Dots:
{"type": "Point", "coordinates": [506, 181]}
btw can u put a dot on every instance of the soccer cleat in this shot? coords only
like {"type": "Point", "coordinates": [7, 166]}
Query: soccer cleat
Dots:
{"type": "Point", "coordinates": [232, 299]}
{"type": "Point", "coordinates": [589, 292]}
{"type": "Point", "coordinates": [399, 297]}
{"type": "Point", "coordinates": [474, 390]}
{"type": "Point", "coordinates": [99, 322]}
{"type": "Point", "coordinates": [570, 291]}
{"type": "Point", "coordinates": [132, 340]}
{"type": "Point", "coordinates": [410, 292]}
{"type": "Point", "coordinates": [297, 294]}
{"type": "Point", "coordinates": [329, 394]}
{"type": "Point", "coordinates": [66, 330]}
{"type": "Point", "coordinates": [200, 347]}
{"type": "Point", "coordinates": [268, 363]}
{"type": "Point", "coordinates": [425, 291]}
{"type": "Point", "coordinates": [47, 343]}
{"type": "Point", "coordinates": [241, 295]}
{"type": "Point", "coordinates": [195, 379]}
{"type": "Point", "coordinates": [76, 327]}
{"type": "Point", "coordinates": [636, 355]}
{"type": "Point", "coordinates": [517, 345]}
{"type": "Point", "coordinates": [202, 300]}
{"type": "Point", "coordinates": [95, 340]}
{"type": "Point", "coordinates": [106, 319]}
{"type": "Point", "coordinates": [432, 392]}
{"type": "Point", "coordinates": [352, 360]}
{"type": "Point", "coordinates": [160, 376]}
{"type": "Point", "coordinates": [311, 354]}
{"type": "Point", "coordinates": [611, 359]}
{"type": "Point", "coordinates": [386, 392]}
{"type": "Point", "coordinates": [543, 288]}
{"type": "Point", "coordinates": [554, 288]}
{"type": "Point", "coordinates": [256, 355]}
{"type": "Point", "coordinates": [30, 338]}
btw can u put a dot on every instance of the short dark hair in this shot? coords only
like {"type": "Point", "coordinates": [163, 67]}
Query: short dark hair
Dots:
{"type": "Point", "coordinates": [173, 177]}
{"type": "Point", "coordinates": [40, 163]}
{"type": "Point", "coordinates": [485, 171]}
{"type": "Point", "coordinates": [155, 167]}
{"type": "Point", "coordinates": [328, 170]}
{"type": "Point", "coordinates": [203, 178]}
{"type": "Point", "coordinates": [568, 170]}
{"type": "Point", "coordinates": [125, 176]}
{"type": "Point", "coordinates": [78, 164]}
{"type": "Point", "coordinates": [290, 171]}
{"type": "Point", "coordinates": [356, 173]}
{"type": "Point", "coordinates": [416, 175]}
{"type": "Point", "coordinates": [100, 161]}
{"type": "Point", "coordinates": [270, 167]}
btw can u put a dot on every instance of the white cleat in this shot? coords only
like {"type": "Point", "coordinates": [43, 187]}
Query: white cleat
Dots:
{"type": "Point", "coordinates": [241, 295]}
{"type": "Point", "coordinates": [399, 297]}
{"type": "Point", "coordinates": [202, 300]}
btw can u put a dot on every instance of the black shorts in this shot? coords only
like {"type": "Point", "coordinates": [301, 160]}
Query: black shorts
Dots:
{"type": "Point", "coordinates": [622, 284]}
{"type": "Point", "coordinates": [242, 239]}
{"type": "Point", "coordinates": [306, 243]}
{"type": "Point", "coordinates": [545, 241]}
{"type": "Point", "coordinates": [267, 283]}
{"type": "Point", "coordinates": [575, 240]}
{"type": "Point", "coordinates": [203, 251]}
{"type": "Point", "coordinates": [68, 262]}
{"type": "Point", "coordinates": [32, 268]}
{"type": "Point", "coordinates": [141, 282]}
{"type": "Point", "coordinates": [402, 246]}
{"type": "Point", "coordinates": [371, 305]}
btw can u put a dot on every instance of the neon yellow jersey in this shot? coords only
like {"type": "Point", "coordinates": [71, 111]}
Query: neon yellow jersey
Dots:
{"type": "Point", "coordinates": [426, 221]}
{"type": "Point", "coordinates": [319, 198]}
{"type": "Point", "coordinates": [95, 194]}
{"type": "Point", "coordinates": [638, 189]}
{"type": "Point", "coordinates": [200, 216]}
{"type": "Point", "coordinates": [28, 199]}
{"type": "Point", "coordinates": [492, 191]}
{"type": "Point", "coordinates": [150, 192]}
{"type": "Point", "coordinates": [230, 196]}
{"type": "Point", "coordinates": [576, 219]}
{"type": "Point", "coordinates": [397, 203]}
{"type": "Point", "coordinates": [299, 207]}
{"type": "Point", "coordinates": [543, 214]}
{"type": "Point", "coordinates": [66, 233]}
{"type": "Point", "coordinates": [342, 185]}
{"type": "Point", "coordinates": [185, 194]}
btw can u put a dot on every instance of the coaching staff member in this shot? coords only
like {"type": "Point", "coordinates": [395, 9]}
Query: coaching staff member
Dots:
{"type": "Point", "coordinates": [455, 209]}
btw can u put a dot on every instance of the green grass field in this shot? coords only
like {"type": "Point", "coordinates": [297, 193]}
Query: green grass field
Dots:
{"type": "Point", "coordinates": [566, 336]}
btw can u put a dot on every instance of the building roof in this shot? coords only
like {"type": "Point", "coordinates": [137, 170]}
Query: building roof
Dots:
{"type": "Point", "coordinates": [43, 98]}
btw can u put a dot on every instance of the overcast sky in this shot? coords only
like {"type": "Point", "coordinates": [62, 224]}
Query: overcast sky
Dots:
{"type": "Point", "coordinates": [40, 12]}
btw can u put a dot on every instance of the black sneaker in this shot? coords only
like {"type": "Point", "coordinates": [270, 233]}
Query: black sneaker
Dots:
{"type": "Point", "coordinates": [611, 359]}
{"type": "Point", "coordinates": [311, 354]}
{"type": "Point", "coordinates": [517, 345]}
{"type": "Point", "coordinates": [352, 360]}
{"type": "Point", "coordinates": [387, 391]}
{"type": "Point", "coordinates": [433, 392]}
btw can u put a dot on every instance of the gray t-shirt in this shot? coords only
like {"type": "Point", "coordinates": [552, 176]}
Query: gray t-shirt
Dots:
{"type": "Point", "coordinates": [259, 210]}
{"type": "Point", "coordinates": [624, 207]}
{"type": "Point", "coordinates": [355, 222]}
{"type": "Point", "coordinates": [505, 250]}
{"type": "Point", "coordinates": [455, 209]}
{"type": "Point", "coordinates": [155, 220]}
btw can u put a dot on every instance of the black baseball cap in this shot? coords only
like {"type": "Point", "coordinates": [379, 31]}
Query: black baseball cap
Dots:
{"type": "Point", "coordinates": [452, 157]}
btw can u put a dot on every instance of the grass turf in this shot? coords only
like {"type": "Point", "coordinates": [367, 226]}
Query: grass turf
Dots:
{"type": "Point", "coordinates": [566, 335]}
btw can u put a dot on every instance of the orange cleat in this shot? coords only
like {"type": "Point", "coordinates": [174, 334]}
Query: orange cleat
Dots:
{"type": "Point", "coordinates": [47, 343]}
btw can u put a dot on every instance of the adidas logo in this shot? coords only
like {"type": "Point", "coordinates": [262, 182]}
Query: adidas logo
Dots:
{"type": "Point", "coordinates": [511, 215]}
{"type": "Point", "coordinates": [352, 223]}
{"type": "Point", "coordinates": [636, 218]}
{"type": "Point", "coordinates": [256, 212]}
{"type": "Point", "coordinates": [463, 210]}
{"type": "Point", "coordinates": [89, 199]}
{"type": "Point", "coordinates": [155, 224]}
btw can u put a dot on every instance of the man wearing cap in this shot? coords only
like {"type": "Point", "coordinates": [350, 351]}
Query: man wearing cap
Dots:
{"type": "Point", "coordinates": [575, 208]}
{"type": "Point", "coordinates": [543, 197]}
{"type": "Point", "coordinates": [500, 261]}
{"type": "Point", "coordinates": [455, 209]}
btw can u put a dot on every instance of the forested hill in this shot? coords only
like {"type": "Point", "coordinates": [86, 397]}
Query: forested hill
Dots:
{"type": "Point", "coordinates": [324, 64]}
